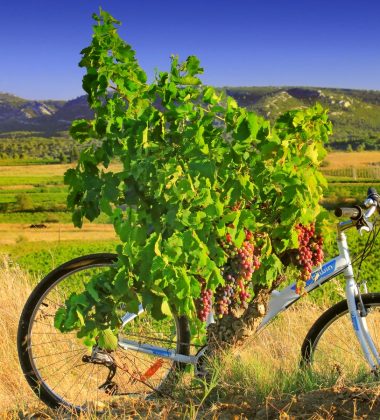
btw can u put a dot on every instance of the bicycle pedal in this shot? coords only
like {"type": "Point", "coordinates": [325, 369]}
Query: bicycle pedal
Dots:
{"type": "Point", "coordinates": [110, 388]}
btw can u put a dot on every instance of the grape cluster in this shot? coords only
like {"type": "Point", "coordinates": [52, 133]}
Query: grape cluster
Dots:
{"type": "Point", "coordinates": [204, 303]}
{"type": "Point", "coordinates": [237, 273]}
{"type": "Point", "coordinates": [310, 252]}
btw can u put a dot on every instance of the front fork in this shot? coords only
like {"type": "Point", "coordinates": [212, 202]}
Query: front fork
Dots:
{"type": "Point", "coordinates": [358, 317]}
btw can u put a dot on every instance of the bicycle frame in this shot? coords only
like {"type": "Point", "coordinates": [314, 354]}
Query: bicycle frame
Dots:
{"type": "Point", "coordinates": [281, 300]}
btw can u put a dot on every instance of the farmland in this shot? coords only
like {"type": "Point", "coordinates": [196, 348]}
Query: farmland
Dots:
{"type": "Point", "coordinates": [36, 195]}
{"type": "Point", "coordinates": [35, 226]}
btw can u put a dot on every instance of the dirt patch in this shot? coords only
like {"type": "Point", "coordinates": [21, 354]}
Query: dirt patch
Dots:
{"type": "Point", "coordinates": [17, 187]}
{"type": "Point", "coordinates": [43, 170]}
{"type": "Point", "coordinates": [337, 160]}
{"type": "Point", "coordinates": [12, 233]}
{"type": "Point", "coordinates": [335, 403]}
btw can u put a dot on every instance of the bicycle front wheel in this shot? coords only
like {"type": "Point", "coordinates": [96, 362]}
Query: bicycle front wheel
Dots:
{"type": "Point", "coordinates": [65, 373]}
{"type": "Point", "coordinates": [331, 348]}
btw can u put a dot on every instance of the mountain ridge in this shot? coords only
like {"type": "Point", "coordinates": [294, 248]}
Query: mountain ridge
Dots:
{"type": "Point", "coordinates": [355, 113]}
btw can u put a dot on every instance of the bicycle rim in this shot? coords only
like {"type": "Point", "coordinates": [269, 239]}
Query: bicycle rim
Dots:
{"type": "Point", "coordinates": [335, 353]}
{"type": "Point", "coordinates": [60, 362]}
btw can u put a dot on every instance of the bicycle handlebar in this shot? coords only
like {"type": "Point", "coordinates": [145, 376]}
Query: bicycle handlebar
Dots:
{"type": "Point", "coordinates": [353, 213]}
{"type": "Point", "coordinates": [373, 195]}
{"type": "Point", "coordinates": [356, 213]}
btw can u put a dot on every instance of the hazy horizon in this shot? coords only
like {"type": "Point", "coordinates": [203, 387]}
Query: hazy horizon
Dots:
{"type": "Point", "coordinates": [217, 87]}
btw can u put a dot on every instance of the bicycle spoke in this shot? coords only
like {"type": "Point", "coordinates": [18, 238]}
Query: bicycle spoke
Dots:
{"type": "Point", "coordinates": [58, 357]}
{"type": "Point", "coordinates": [50, 342]}
{"type": "Point", "coordinates": [54, 363]}
{"type": "Point", "coordinates": [73, 365]}
{"type": "Point", "coordinates": [338, 349]}
{"type": "Point", "coordinates": [59, 353]}
{"type": "Point", "coordinates": [68, 388]}
{"type": "Point", "coordinates": [85, 381]}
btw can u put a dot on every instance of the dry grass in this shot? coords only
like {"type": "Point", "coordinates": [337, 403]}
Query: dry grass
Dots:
{"type": "Point", "coordinates": [14, 290]}
{"type": "Point", "coordinates": [250, 376]}
{"type": "Point", "coordinates": [339, 160]}
{"type": "Point", "coordinates": [261, 381]}
{"type": "Point", "coordinates": [12, 233]}
{"type": "Point", "coordinates": [41, 170]}
{"type": "Point", "coordinates": [34, 170]}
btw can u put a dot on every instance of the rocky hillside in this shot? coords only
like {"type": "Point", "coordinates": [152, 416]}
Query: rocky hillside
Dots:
{"type": "Point", "coordinates": [48, 117]}
{"type": "Point", "coordinates": [355, 113]}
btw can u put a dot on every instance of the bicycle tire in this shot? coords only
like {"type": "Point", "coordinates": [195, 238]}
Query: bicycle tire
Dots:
{"type": "Point", "coordinates": [37, 340]}
{"type": "Point", "coordinates": [331, 348]}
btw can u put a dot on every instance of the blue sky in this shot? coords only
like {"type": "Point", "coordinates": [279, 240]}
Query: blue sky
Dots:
{"type": "Point", "coordinates": [325, 43]}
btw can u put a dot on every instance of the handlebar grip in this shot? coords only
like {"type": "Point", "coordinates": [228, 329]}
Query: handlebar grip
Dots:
{"type": "Point", "coordinates": [372, 193]}
{"type": "Point", "coordinates": [351, 212]}
{"type": "Point", "coordinates": [371, 190]}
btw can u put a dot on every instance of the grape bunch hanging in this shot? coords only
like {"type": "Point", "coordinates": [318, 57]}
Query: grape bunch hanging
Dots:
{"type": "Point", "coordinates": [204, 303]}
{"type": "Point", "coordinates": [310, 253]}
{"type": "Point", "coordinates": [237, 274]}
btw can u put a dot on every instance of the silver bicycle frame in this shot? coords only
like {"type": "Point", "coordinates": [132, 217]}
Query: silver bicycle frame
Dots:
{"type": "Point", "coordinates": [281, 300]}
{"type": "Point", "coordinates": [359, 323]}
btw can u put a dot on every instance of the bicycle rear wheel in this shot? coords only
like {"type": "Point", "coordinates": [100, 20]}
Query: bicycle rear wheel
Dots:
{"type": "Point", "coordinates": [64, 372]}
{"type": "Point", "coordinates": [331, 348]}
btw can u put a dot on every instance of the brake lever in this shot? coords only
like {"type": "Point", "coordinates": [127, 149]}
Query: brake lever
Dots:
{"type": "Point", "coordinates": [363, 229]}
{"type": "Point", "coordinates": [366, 226]}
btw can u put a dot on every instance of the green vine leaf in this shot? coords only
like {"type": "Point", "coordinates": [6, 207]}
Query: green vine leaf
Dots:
{"type": "Point", "coordinates": [196, 169]}
{"type": "Point", "coordinates": [107, 339]}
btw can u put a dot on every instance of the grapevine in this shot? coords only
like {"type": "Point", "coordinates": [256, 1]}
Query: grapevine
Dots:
{"type": "Point", "coordinates": [208, 195]}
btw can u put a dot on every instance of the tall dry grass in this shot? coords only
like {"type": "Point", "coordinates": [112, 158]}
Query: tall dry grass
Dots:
{"type": "Point", "coordinates": [267, 366]}
{"type": "Point", "coordinates": [14, 290]}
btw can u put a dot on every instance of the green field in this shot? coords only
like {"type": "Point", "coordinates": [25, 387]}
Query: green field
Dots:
{"type": "Point", "coordinates": [41, 198]}
{"type": "Point", "coordinates": [32, 181]}
{"type": "Point", "coordinates": [34, 199]}
{"type": "Point", "coordinates": [41, 257]}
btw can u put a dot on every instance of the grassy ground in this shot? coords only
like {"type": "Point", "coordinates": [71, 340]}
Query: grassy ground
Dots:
{"type": "Point", "coordinates": [262, 381]}
{"type": "Point", "coordinates": [36, 194]}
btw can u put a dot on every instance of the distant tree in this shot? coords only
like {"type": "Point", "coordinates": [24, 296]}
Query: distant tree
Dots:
{"type": "Point", "coordinates": [349, 148]}
{"type": "Point", "coordinates": [361, 147]}
{"type": "Point", "coordinates": [62, 158]}
{"type": "Point", "coordinates": [23, 202]}
{"type": "Point", "coordinates": [4, 207]}
{"type": "Point", "coordinates": [74, 154]}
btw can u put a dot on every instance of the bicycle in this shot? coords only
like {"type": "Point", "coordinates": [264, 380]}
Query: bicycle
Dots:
{"type": "Point", "coordinates": [63, 372]}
